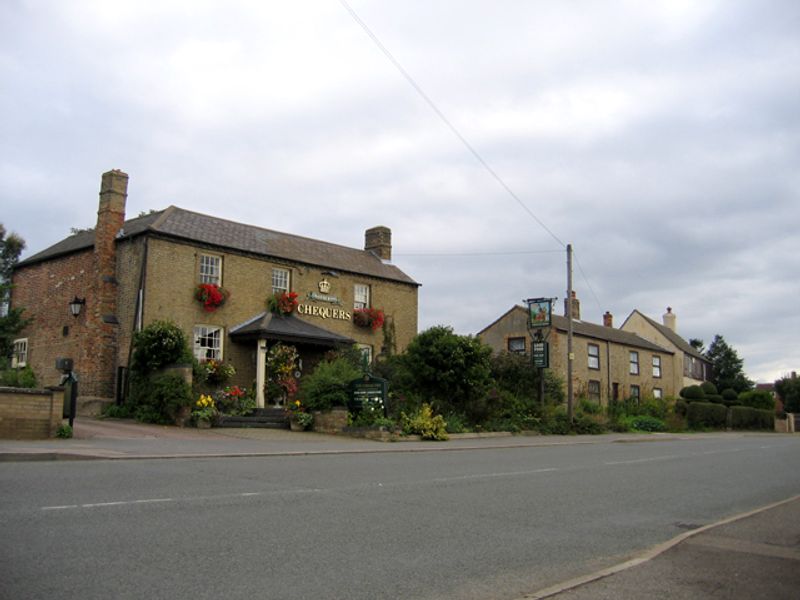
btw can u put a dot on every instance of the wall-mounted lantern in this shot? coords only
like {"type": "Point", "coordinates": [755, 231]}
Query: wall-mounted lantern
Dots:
{"type": "Point", "coordinates": [75, 306]}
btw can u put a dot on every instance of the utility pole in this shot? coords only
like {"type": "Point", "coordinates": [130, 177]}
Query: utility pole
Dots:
{"type": "Point", "coordinates": [570, 353]}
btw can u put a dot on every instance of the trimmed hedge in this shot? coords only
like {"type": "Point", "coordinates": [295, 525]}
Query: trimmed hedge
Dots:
{"type": "Point", "coordinates": [692, 393]}
{"type": "Point", "coordinates": [746, 417]}
{"type": "Point", "coordinates": [700, 415]}
{"type": "Point", "coordinates": [757, 399]}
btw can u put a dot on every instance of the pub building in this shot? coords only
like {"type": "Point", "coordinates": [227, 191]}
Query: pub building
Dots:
{"type": "Point", "coordinates": [87, 294]}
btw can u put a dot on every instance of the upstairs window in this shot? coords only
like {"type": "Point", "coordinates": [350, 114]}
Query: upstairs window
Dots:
{"type": "Point", "coordinates": [360, 296]}
{"type": "Point", "coordinates": [634, 362]}
{"type": "Point", "coordinates": [594, 356]}
{"type": "Point", "coordinates": [280, 281]}
{"type": "Point", "coordinates": [211, 269]}
{"type": "Point", "coordinates": [656, 366]}
{"type": "Point", "coordinates": [516, 344]}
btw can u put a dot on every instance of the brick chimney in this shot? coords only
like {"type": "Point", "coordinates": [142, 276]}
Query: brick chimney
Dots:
{"type": "Point", "coordinates": [576, 306]}
{"type": "Point", "coordinates": [102, 323]}
{"type": "Point", "coordinates": [378, 240]}
{"type": "Point", "coordinates": [670, 320]}
{"type": "Point", "coordinates": [608, 320]}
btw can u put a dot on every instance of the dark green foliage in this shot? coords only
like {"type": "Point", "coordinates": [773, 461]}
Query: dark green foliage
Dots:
{"type": "Point", "coordinates": [451, 371]}
{"type": "Point", "coordinates": [328, 385]}
{"type": "Point", "coordinates": [11, 324]}
{"type": "Point", "coordinates": [709, 389]}
{"type": "Point", "coordinates": [156, 398]}
{"type": "Point", "coordinates": [118, 411]}
{"type": "Point", "coordinates": [702, 415]}
{"type": "Point", "coordinates": [19, 378]}
{"type": "Point", "coordinates": [158, 345]}
{"type": "Point", "coordinates": [64, 432]}
{"type": "Point", "coordinates": [730, 397]}
{"type": "Point", "coordinates": [727, 367]}
{"type": "Point", "coordinates": [681, 407]}
{"type": "Point", "coordinates": [760, 399]}
{"type": "Point", "coordinates": [693, 393]}
{"type": "Point", "coordinates": [644, 423]}
{"type": "Point", "coordinates": [788, 389]}
{"type": "Point", "coordinates": [746, 417]}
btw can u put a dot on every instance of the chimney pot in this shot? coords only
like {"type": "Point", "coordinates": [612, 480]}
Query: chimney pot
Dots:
{"type": "Point", "coordinates": [670, 320]}
{"type": "Point", "coordinates": [576, 306]}
{"type": "Point", "coordinates": [608, 320]}
{"type": "Point", "coordinates": [378, 240]}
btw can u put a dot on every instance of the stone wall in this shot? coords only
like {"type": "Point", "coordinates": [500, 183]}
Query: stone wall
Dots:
{"type": "Point", "coordinates": [27, 414]}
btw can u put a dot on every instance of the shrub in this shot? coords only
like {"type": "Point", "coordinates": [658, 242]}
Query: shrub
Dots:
{"type": "Point", "coordinates": [654, 407]}
{"type": "Point", "coordinates": [681, 406]}
{"type": "Point", "coordinates": [19, 378]}
{"type": "Point", "coordinates": [692, 393]}
{"type": "Point", "coordinates": [328, 385]}
{"type": "Point", "coordinates": [156, 399]}
{"type": "Point", "coordinates": [118, 411]}
{"type": "Point", "coordinates": [588, 424]}
{"type": "Point", "coordinates": [746, 417]}
{"type": "Point", "coordinates": [702, 415]}
{"type": "Point", "coordinates": [425, 424]}
{"type": "Point", "coordinates": [645, 423]}
{"type": "Point", "coordinates": [730, 397]}
{"type": "Point", "coordinates": [159, 344]}
{"type": "Point", "coordinates": [64, 431]}
{"type": "Point", "coordinates": [760, 399]}
{"type": "Point", "coordinates": [709, 389]}
{"type": "Point", "coordinates": [555, 422]}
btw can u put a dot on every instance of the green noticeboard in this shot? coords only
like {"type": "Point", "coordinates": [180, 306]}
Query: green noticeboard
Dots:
{"type": "Point", "coordinates": [367, 390]}
{"type": "Point", "coordinates": [541, 355]}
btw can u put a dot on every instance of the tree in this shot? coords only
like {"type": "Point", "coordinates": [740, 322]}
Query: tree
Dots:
{"type": "Point", "coordinates": [11, 321]}
{"type": "Point", "coordinates": [788, 389]}
{"type": "Point", "coordinates": [697, 345]}
{"type": "Point", "coordinates": [727, 367]}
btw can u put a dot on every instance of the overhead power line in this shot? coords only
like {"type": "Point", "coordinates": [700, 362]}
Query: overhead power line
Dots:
{"type": "Point", "coordinates": [446, 121]}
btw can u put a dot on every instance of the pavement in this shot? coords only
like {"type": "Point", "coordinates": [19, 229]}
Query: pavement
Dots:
{"type": "Point", "coordinates": [752, 555]}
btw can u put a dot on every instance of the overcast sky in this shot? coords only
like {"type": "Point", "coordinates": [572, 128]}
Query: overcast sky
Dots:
{"type": "Point", "coordinates": [660, 138]}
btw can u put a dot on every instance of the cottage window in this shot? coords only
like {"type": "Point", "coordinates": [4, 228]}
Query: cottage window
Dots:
{"type": "Point", "coordinates": [634, 362]}
{"type": "Point", "coordinates": [366, 352]}
{"type": "Point", "coordinates": [360, 296]}
{"type": "Point", "coordinates": [635, 393]}
{"type": "Point", "coordinates": [516, 344]}
{"type": "Point", "coordinates": [594, 356]}
{"type": "Point", "coordinates": [210, 269]}
{"type": "Point", "coordinates": [207, 342]}
{"type": "Point", "coordinates": [280, 281]}
{"type": "Point", "coordinates": [656, 366]}
{"type": "Point", "coordinates": [19, 356]}
{"type": "Point", "coordinates": [658, 393]}
{"type": "Point", "coordinates": [593, 390]}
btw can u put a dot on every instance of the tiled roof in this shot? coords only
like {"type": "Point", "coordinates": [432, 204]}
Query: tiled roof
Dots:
{"type": "Point", "coordinates": [609, 334]}
{"type": "Point", "coordinates": [673, 337]}
{"type": "Point", "coordinates": [203, 229]}
{"type": "Point", "coordinates": [287, 329]}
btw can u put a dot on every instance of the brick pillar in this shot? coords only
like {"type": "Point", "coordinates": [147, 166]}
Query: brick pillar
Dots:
{"type": "Point", "coordinates": [102, 324]}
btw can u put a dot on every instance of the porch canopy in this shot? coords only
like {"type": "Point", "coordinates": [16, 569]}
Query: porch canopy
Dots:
{"type": "Point", "coordinates": [267, 326]}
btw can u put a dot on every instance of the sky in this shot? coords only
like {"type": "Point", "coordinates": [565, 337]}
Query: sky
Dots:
{"type": "Point", "coordinates": [660, 139]}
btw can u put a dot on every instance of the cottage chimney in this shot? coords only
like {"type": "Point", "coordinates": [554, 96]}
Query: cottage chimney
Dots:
{"type": "Point", "coordinates": [608, 320]}
{"type": "Point", "coordinates": [378, 240]}
{"type": "Point", "coordinates": [576, 306]}
{"type": "Point", "coordinates": [102, 323]}
{"type": "Point", "coordinates": [670, 319]}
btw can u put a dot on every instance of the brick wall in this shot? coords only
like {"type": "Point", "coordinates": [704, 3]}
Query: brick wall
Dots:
{"type": "Point", "coordinates": [30, 414]}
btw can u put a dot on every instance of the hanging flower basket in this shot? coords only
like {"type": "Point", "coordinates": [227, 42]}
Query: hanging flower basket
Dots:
{"type": "Point", "coordinates": [368, 317]}
{"type": "Point", "coordinates": [282, 303]}
{"type": "Point", "coordinates": [211, 296]}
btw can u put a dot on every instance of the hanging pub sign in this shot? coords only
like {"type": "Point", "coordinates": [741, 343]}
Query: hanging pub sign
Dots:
{"type": "Point", "coordinates": [541, 354]}
{"type": "Point", "coordinates": [539, 311]}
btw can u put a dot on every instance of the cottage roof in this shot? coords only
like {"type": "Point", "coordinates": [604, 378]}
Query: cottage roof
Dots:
{"type": "Point", "coordinates": [178, 223]}
{"type": "Point", "coordinates": [287, 328]}
{"type": "Point", "coordinates": [673, 337]}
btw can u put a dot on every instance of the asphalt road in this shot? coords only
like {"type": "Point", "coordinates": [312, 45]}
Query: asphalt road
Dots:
{"type": "Point", "coordinates": [472, 524]}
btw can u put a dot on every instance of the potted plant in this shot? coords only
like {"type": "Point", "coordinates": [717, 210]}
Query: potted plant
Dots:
{"type": "Point", "coordinates": [211, 296]}
{"type": "Point", "coordinates": [217, 371]}
{"type": "Point", "coordinates": [205, 411]}
{"type": "Point", "coordinates": [369, 317]}
{"type": "Point", "coordinates": [282, 303]}
{"type": "Point", "coordinates": [299, 418]}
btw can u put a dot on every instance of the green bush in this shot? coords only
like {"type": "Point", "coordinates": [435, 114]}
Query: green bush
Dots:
{"type": "Point", "coordinates": [64, 432]}
{"type": "Point", "coordinates": [760, 399]}
{"type": "Point", "coordinates": [158, 345]}
{"type": "Point", "coordinates": [645, 423]}
{"type": "Point", "coordinates": [746, 417]}
{"type": "Point", "coordinates": [701, 415]}
{"type": "Point", "coordinates": [425, 424]}
{"type": "Point", "coordinates": [692, 393]}
{"type": "Point", "coordinates": [681, 406]}
{"type": "Point", "coordinates": [18, 378]}
{"type": "Point", "coordinates": [709, 389]}
{"type": "Point", "coordinates": [588, 424]}
{"type": "Point", "coordinates": [328, 385]}
{"type": "Point", "coordinates": [730, 397]}
{"type": "Point", "coordinates": [118, 411]}
{"type": "Point", "coordinates": [156, 399]}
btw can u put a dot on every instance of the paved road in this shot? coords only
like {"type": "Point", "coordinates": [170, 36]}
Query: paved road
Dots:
{"type": "Point", "coordinates": [472, 524]}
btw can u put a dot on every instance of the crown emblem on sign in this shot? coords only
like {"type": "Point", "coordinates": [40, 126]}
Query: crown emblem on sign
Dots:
{"type": "Point", "coordinates": [324, 286]}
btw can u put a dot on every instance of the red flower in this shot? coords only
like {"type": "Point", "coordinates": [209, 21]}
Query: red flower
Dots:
{"type": "Point", "coordinates": [211, 296]}
{"type": "Point", "coordinates": [282, 303]}
{"type": "Point", "coordinates": [369, 317]}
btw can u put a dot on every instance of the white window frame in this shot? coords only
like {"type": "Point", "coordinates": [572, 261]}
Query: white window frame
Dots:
{"type": "Point", "coordinates": [656, 366]}
{"type": "Point", "coordinates": [19, 357]}
{"type": "Point", "coordinates": [204, 333]}
{"type": "Point", "coordinates": [595, 356]}
{"type": "Point", "coordinates": [281, 280]}
{"type": "Point", "coordinates": [517, 350]}
{"type": "Point", "coordinates": [361, 293]}
{"type": "Point", "coordinates": [633, 362]}
{"type": "Point", "coordinates": [210, 269]}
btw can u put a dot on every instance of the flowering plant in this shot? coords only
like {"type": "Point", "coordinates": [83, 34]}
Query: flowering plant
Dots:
{"type": "Point", "coordinates": [234, 400]}
{"type": "Point", "coordinates": [369, 317]}
{"type": "Point", "coordinates": [211, 296]}
{"type": "Point", "coordinates": [217, 371]}
{"type": "Point", "coordinates": [204, 409]}
{"type": "Point", "coordinates": [298, 413]}
{"type": "Point", "coordinates": [282, 303]}
{"type": "Point", "coordinates": [281, 365]}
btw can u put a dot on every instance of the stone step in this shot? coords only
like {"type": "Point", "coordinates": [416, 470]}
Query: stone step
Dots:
{"type": "Point", "coordinates": [270, 418]}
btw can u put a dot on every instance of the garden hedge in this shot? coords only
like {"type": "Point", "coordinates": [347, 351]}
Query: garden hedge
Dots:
{"type": "Point", "coordinates": [700, 415]}
{"type": "Point", "coordinates": [746, 417]}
